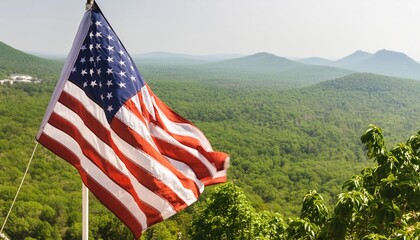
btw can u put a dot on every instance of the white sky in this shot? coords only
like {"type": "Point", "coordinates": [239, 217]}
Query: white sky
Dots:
{"type": "Point", "coordinates": [289, 28]}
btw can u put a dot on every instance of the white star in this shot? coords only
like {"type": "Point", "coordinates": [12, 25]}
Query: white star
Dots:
{"type": "Point", "coordinates": [109, 71]}
{"type": "Point", "coordinates": [122, 63]}
{"type": "Point", "coordinates": [98, 45]}
{"type": "Point", "coordinates": [90, 47]}
{"type": "Point", "coordinates": [110, 59]}
{"type": "Point", "coordinates": [84, 72]}
{"type": "Point", "coordinates": [110, 108]}
{"type": "Point", "coordinates": [109, 83]}
{"type": "Point", "coordinates": [91, 59]}
{"type": "Point", "coordinates": [85, 84]}
{"type": "Point", "coordinates": [110, 38]}
{"type": "Point", "coordinates": [133, 78]}
{"type": "Point", "coordinates": [98, 58]}
{"type": "Point", "coordinates": [99, 71]}
{"type": "Point", "coordinates": [122, 74]}
{"type": "Point", "coordinates": [83, 47]}
{"type": "Point", "coordinates": [109, 95]}
{"type": "Point", "coordinates": [100, 84]}
{"type": "Point", "coordinates": [122, 53]}
{"type": "Point", "coordinates": [132, 68]}
{"type": "Point", "coordinates": [122, 85]}
{"type": "Point", "coordinates": [91, 72]}
{"type": "Point", "coordinates": [98, 23]}
{"type": "Point", "coordinates": [93, 83]}
{"type": "Point", "coordinates": [110, 48]}
{"type": "Point", "coordinates": [73, 69]}
{"type": "Point", "coordinates": [91, 34]}
{"type": "Point", "coordinates": [102, 97]}
{"type": "Point", "coordinates": [98, 34]}
{"type": "Point", "coordinates": [83, 60]}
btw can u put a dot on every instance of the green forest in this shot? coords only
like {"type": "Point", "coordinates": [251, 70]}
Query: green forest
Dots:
{"type": "Point", "coordinates": [306, 163]}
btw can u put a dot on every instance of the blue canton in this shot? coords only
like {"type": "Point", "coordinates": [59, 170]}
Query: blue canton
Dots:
{"type": "Point", "coordinates": [103, 68]}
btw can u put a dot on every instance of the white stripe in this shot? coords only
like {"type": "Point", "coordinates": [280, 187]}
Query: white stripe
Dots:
{"type": "Point", "coordinates": [147, 101]}
{"type": "Point", "coordinates": [157, 170]}
{"type": "Point", "coordinates": [184, 129]}
{"type": "Point", "coordinates": [132, 121]}
{"type": "Point", "coordinates": [147, 162]}
{"type": "Point", "coordinates": [119, 193]}
{"type": "Point", "coordinates": [157, 132]}
{"type": "Point", "coordinates": [93, 108]}
{"type": "Point", "coordinates": [101, 148]}
{"type": "Point", "coordinates": [109, 155]}
{"type": "Point", "coordinates": [187, 171]}
{"type": "Point", "coordinates": [136, 101]}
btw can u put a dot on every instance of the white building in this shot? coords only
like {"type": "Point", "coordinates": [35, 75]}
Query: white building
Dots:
{"type": "Point", "coordinates": [22, 78]}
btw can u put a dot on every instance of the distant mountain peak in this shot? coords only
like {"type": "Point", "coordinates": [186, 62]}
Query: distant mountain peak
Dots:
{"type": "Point", "coordinates": [264, 55]}
{"type": "Point", "coordinates": [316, 61]}
{"type": "Point", "coordinates": [393, 54]}
{"type": "Point", "coordinates": [353, 59]}
{"type": "Point", "coordinates": [360, 52]}
{"type": "Point", "coordinates": [395, 57]}
{"type": "Point", "coordinates": [357, 54]}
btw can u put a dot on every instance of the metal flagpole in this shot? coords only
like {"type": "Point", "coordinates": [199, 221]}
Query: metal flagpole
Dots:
{"type": "Point", "coordinates": [85, 212]}
{"type": "Point", "coordinates": [85, 190]}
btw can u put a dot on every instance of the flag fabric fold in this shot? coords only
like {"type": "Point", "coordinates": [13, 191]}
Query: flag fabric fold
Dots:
{"type": "Point", "coordinates": [142, 160]}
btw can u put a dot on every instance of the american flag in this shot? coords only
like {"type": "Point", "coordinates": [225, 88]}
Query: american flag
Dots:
{"type": "Point", "coordinates": [137, 156]}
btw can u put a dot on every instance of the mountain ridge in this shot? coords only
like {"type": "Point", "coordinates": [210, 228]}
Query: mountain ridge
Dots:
{"type": "Point", "coordinates": [383, 62]}
{"type": "Point", "coordinates": [15, 61]}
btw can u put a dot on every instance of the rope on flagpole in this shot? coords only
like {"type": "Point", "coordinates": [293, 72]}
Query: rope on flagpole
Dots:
{"type": "Point", "coordinates": [17, 193]}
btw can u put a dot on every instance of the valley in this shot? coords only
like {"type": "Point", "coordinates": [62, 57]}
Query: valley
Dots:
{"type": "Point", "coordinates": [289, 127]}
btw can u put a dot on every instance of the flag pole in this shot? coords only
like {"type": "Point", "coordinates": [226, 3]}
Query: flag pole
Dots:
{"type": "Point", "coordinates": [89, 4]}
{"type": "Point", "coordinates": [85, 190]}
{"type": "Point", "coordinates": [85, 212]}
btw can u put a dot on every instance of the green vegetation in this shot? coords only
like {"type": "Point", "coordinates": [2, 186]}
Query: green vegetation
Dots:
{"type": "Point", "coordinates": [15, 61]}
{"type": "Point", "coordinates": [287, 134]}
{"type": "Point", "coordinates": [381, 203]}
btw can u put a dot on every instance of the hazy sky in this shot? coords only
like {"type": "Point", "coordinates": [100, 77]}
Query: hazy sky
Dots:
{"type": "Point", "coordinates": [289, 28]}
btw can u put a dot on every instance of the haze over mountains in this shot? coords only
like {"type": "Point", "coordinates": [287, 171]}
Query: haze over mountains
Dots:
{"type": "Point", "coordinates": [383, 62]}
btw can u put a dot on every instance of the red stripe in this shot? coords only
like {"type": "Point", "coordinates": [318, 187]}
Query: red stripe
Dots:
{"type": "Point", "coordinates": [141, 174]}
{"type": "Point", "coordinates": [185, 140]}
{"type": "Point", "coordinates": [112, 203]}
{"type": "Point", "coordinates": [175, 152]}
{"type": "Point", "coordinates": [169, 113]}
{"type": "Point", "coordinates": [210, 181]}
{"type": "Point", "coordinates": [216, 158]}
{"type": "Point", "coordinates": [130, 105]}
{"type": "Point", "coordinates": [114, 174]}
{"type": "Point", "coordinates": [139, 142]}
{"type": "Point", "coordinates": [184, 156]}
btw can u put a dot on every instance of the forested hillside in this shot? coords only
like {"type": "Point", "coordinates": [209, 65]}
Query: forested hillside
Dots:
{"type": "Point", "coordinates": [15, 61]}
{"type": "Point", "coordinates": [283, 141]}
